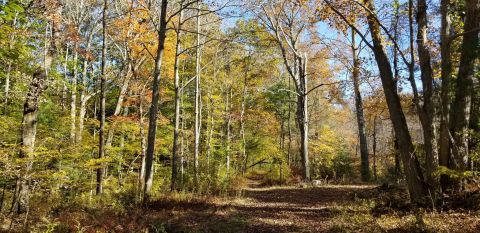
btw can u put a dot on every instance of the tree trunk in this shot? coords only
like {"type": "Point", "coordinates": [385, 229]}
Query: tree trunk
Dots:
{"type": "Point", "coordinates": [242, 119]}
{"type": "Point", "coordinates": [414, 176]}
{"type": "Point", "coordinates": [177, 102]}
{"type": "Point", "coordinates": [446, 76]}
{"type": "Point", "coordinates": [103, 83]}
{"type": "Point", "coordinates": [197, 101]}
{"type": "Point", "coordinates": [141, 124]}
{"type": "Point", "coordinates": [228, 112]}
{"type": "Point", "coordinates": [365, 165]}
{"type": "Point", "coordinates": [152, 124]}
{"type": "Point", "coordinates": [289, 125]}
{"type": "Point", "coordinates": [460, 111]}
{"type": "Point", "coordinates": [29, 131]}
{"type": "Point", "coordinates": [83, 103]}
{"type": "Point", "coordinates": [428, 109]}
{"type": "Point", "coordinates": [64, 90]}
{"type": "Point", "coordinates": [302, 117]}
{"type": "Point", "coordinates": [73, 101]}
{"type": "Point", "coordinates": [375, 148]}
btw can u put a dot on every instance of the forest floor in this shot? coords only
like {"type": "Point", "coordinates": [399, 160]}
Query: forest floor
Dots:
{"type": "Point", "coordinates": [328, 208]}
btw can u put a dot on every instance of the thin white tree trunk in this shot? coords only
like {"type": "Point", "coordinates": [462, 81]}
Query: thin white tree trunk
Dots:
{"type": "Point", "coordinates": [177, 102]}
{"type": "Point", "coordinates": [73, 102]}
{"type": "Point", "coordinates": [197, 101]}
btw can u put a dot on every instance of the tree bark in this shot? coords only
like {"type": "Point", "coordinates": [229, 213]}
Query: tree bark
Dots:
{"type": "Point", "coordinates": [375, 148]}
{"type": "Point", "coordinates": [365, 165]}
{"type": "Point", "coordinates": [73, 100]}
{"type": "Point", "coordinates": [103, 83]}
{"type": "Point", "coordinates": [152, 124]}
{"type": "Point", "coordinates": [29, 131]}
{"type": "Point", "coordinates": [228, 115]}
{"type": "Point", "coordinates": [197, 101]}
{"type": "Point", "coordinates": [176, 129]}
{"type": "Point", "coordinates": [302, 116]}
{"type": "Point", "coordinates": [141, 125]}
{"type": "Point", "coordinates": [428, 109]}
{"type": "Point", "coordinates": [242, 119]}
{"type": "Point", "coordinates": [64, 90]}
{"type": "Point", "coordinates": [446, 76]}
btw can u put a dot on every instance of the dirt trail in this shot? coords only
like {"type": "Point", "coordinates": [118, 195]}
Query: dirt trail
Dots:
{"type": "Point", "coordinates": [273, 209]}
{"type": "Point", "coordinates": [293, 209]}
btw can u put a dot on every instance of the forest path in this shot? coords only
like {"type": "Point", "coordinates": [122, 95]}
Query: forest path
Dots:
{"type": "Point", "coordinates": [294, 209]}
{"type": "Point", "coordinates": [269, 209]}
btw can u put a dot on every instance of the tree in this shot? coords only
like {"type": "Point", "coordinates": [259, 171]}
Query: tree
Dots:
{"type": "Point", "coordinates": [178, 92]}
{"type": "Point", "coordinates": [281, 18]}
{"type": "Point", "coordinates": [198, 110]}
{"type": "Point", "coordinates": [365, 165]}
{"type": "Point", "coordinates": [152, 121]}
{"type": "Point", "coordinates": [103, 83]}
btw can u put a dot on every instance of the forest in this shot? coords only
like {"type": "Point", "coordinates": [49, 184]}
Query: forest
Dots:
{"type": "Point", "coordinates": [239, 116]}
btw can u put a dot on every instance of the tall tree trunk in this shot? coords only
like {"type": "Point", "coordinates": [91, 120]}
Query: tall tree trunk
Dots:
{"type": "Point", "coordinates": [29, 130]}
{"type": "Point", "coordinates": [396, 70]}
{"type": "Point", "coordinates": [152, 121]}
{"type": "Point", "coordinates": [177, 102]}
{"type": "Point", "coordinates": [65, 70]}
{"type": "Point", "coordinates": [73, 101]}
{"type": "Point", "coordinates": [103, 83]}
{"type": "Point", "coordinates": [197, 101]}
{"type": "Point", "coordinates": [182, 135]}
{"type": "Point", "coordinates": [83, 103]}
{"type": "Point", "coordinates": [228, 112]}
{"type": "Point", "coordinates": [428, 109]}
{"type": "Point", "coordinates": [365, 165]}
{"type": "Point", "coordinates": [289, 124]}
{"type": "Point", "coordinates": [446, 76]}
{"type": "Point", "coordinates": [375, 148]}
{"type": "Point", "coordinates": [211, 112]}
{"type": "Point", "coordinates": [242, 119]}
{"type": "Point", "coordinates": [460, 111]}
{"type": "Point", "coordinates": [141, 125]}
{"type": "Point", "coordinates": [302, 116]}
{"type": "Point", "coordinates": [413, 173]}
